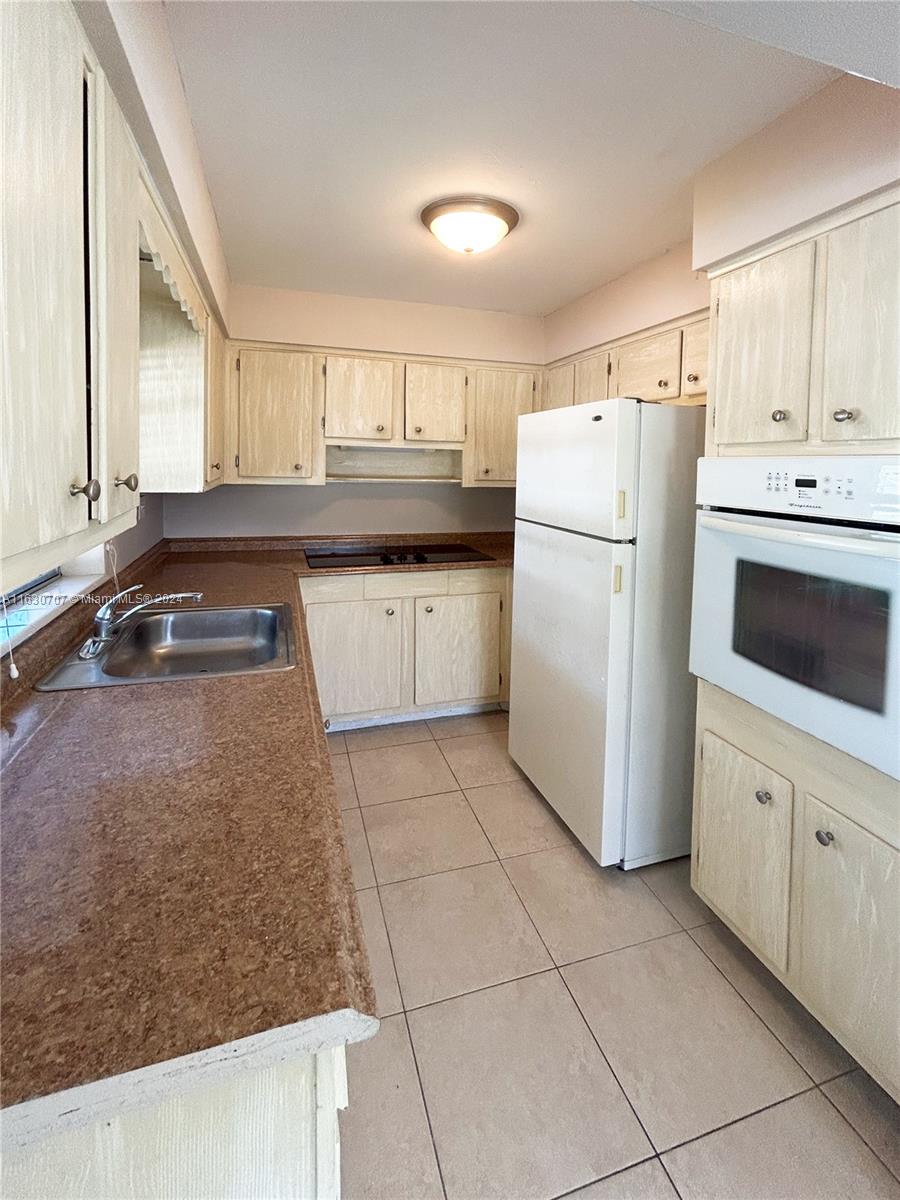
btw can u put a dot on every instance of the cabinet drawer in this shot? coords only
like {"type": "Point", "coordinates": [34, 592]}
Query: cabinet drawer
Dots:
{"type": "Point", "coordinates": [744, 845]}
{"type": "Point", "coordinates": [406, 583]}
{"type": "Point", "coordinates": [332, 587]}
{"type": "Point", "coordinates": [483, 579]}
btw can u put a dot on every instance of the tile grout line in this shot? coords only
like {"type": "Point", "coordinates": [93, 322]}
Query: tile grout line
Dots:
{"type": "Point", "coordinates": [861, 1137]}
{"type": "Point", "coordinates": [605, 1178]}
{"type": "Point", "coordinates": [737, 1120]}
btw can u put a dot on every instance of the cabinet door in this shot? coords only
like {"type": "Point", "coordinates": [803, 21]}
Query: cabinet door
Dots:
{"type": "Point", "coordinates": [118, 308]}
{"type": "Point", "coordinates": [276, 393]}
{"type": "Point", "coordinates": [744, 844]}
{"type": "Point", "coordinates": [649, 369]}
{"type": "Point", "coordinates": [501, 397]}
{"type": "Point", "coordinates": [457, 648]}
{"type": "Point", "coordinates": [359, 398]}
{"type": "Point", "coordinates": [763, 349]}
{"type": "Point", "coordinates": [559, 390]}
{"type": "Point", "coordinates": [848, 935]}
{"type": "Point", "coordinates": [861, 368]}
{"type": "Point", "coordinates": [435, 403]}
{"type": "Point", "coordinates": [591, 378]}
{"type": "Point", "coordinates": [216, 395]}
{"type": "Point", "coordinates": [45, 438]}
{"type": "Point", "coordinates": [356, 648]}
{"type": "Point", "coordinates": [694, 359]}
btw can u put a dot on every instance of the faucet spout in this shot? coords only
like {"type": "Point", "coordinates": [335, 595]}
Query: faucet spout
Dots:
{"type": "Point", "coordinates": [107, 620]}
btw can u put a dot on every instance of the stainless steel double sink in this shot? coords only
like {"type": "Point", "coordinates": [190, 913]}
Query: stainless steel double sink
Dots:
{"type": "Point", "coordinates": [184, 643]}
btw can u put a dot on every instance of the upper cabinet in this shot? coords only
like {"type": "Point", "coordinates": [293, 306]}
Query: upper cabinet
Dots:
{"type": "Point", "coordinates": [359, 398]}
{"type": "Point", "coordinates": [279, 398]}
{"type": "Point", "coordinates": [806, 344]}
{"type": "Point", "coordinates": [500, 398]}
{"type": "Point", "coordinates": [216, 402]}
{"type": "Point", "coordinates": [435, 403]}
{"type": "Point", "coordinates": [649, 369]}
{"type": "Point", "coordinates": [559, 387]}
{"type": "Point", "coordinates": [695, 359]}
{"type": "Point", "coordinates": [592, 378]}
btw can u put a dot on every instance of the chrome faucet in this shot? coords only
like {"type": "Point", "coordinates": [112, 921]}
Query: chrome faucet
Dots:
{"type": "Point", "coordinates": [108, 622]}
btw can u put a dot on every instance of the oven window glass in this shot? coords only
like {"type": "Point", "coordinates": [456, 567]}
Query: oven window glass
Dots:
{"type": "Point", "coordinates": [827, 634]}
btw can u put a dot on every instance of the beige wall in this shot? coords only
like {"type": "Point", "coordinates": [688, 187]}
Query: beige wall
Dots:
{"type": "Point", "coordinates": [339, 508]}
{"type": "Point", "coordinates": [397, 326]}
{"type": "Point", "coordinates": [660, 289]}
{"type": "Point", "coordinates": [146, 533]}
{"type": "Point", "coordinates": [841, 144]}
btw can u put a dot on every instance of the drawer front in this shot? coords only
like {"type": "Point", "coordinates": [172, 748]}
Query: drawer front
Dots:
{"type": "Point", "coordinates": [332, 587]}
{"type": "Point", "coordinates": [406, 583]}
{"type": "Point", "coordinates": [467, 583]}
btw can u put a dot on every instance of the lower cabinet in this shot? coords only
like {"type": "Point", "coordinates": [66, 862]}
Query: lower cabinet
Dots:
{"type": "Point", "coordinates": [797, 848]}
{"type": "Point", "coordinates": [387, 644]}
{"type": "Point", "coordinates": [457, 648]}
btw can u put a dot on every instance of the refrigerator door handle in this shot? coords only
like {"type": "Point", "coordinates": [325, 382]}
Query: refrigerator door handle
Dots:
{"type": "Point", "coordinates": [617, 578]}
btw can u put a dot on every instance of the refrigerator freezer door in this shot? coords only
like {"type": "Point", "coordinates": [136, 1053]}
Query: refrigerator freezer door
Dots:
{"type": "Point", "coordinates": [577, 467]}
{"type": "Point", "coordinates": [570, 678]}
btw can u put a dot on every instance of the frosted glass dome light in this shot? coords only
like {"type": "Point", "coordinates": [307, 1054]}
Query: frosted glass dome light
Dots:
{"type": "Point", "coordinates": [469, 224]}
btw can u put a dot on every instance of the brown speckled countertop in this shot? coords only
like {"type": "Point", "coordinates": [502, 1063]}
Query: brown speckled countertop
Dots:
{"type": "Point", "coordinates": [173, 864]}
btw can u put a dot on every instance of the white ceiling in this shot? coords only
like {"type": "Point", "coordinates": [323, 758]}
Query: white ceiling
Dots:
{"type": "Point", "coordinates": [859, 36]}
{"type": "Point", "coordinates": [325, 127]}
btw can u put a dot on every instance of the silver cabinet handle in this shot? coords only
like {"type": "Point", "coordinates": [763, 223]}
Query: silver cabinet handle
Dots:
{"type": "Point", "coordinates": [130, 481]}
{"type": "Point", "coordinates": [216, 466]}
{"type": "Point", "coordinates": [389, 611]}
{"type": "Point", "coordinates": [779, 415]}
{"type": "Point", "coordinates": [843, 414]}
{"type": "Point", "coordinates": [663, 383]}
{"type": "Point", "coordinates": [298, 466]}
{"type": "Point", "coordinates": [693, 377]}
{"type": "Point", "coordinates": [418, 429]}
{"type": "Point", "coordinates": [91, 489]}
{"type": "Point", "coordinates": [763, 797]}
{"type": "Point", "coordinates": [824, 837]}
{"type": "Point", "coordinates": [429, 608]}
{"type": "Point", "coordinates": [379, 428]}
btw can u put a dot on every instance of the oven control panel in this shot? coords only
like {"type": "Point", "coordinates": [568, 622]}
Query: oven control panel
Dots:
{"type": "Point", "coordinates": [864, 488]}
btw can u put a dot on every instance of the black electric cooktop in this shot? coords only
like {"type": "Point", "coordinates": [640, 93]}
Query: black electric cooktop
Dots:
{"type": "Point", "coordinates": [329, 557]}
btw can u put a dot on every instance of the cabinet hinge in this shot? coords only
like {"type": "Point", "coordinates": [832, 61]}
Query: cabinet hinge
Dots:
{"type": "Point", "coordinates": [501, 604]}
{"type": "Point", "coordinates": [501, 677]}
{"type": "Point", "coordinates": [467, 381]}
{"type": "Point", "coordinates": [609, 366]}
{"type": "Point", "coordinates": [717, 305]}
{"type": "Point", "coordinates": [323, 424]}
{"type": "Point", "coordinates": [324, 368]}
{"type": "Point", "coordinates": [534, 385]}
{"type": "Point", "coordinates": [237, 460]}
{"type": "Point", "coordinates": [237, 364]}
{"type": "Point", "coordinates": [466, 429]}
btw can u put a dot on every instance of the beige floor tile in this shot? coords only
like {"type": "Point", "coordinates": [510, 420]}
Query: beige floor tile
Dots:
{"type": "Point", "coordinates": [799, 1150]}
{"type": "Point", "coordinates": [377, 736]}
{"type": "Point", "coordinates": [480, 759]}
{"type": "Point", "coordinates": [386, 1148]}
{"type": "Point", "coordinates": [343, 781]}
{"type": "Point", "coordinates": [581, 909]}
{"type": "Point", "coordinates": [424, 836]}
{"type": "Point", "coordinates": [358, 849]}
{"type": "Point", "coordinates": [690, 1054]}
{"type": "Point", "coordinates": [813, 1047]}
{"type": "Point", "coordinates": [671, 883]}
{"type": "Point", "coordinates": [387, 993]}
{"type": "Point", "coordinates": [459, 931]}
{"type": "Point", "coordinates": [336, 743]}
{"type": "Point", "coordinates": [647, 1181]}
{"type": "Point", "coordinates": [517, 819]}
{"type": "Point", "coordinates": [400, 772]}
{"type": "Point", "coordinates": [522, 1103]}
{"type": "Point", "coordinates": [450, 727]}
{"type": "Point", "coordinates": [871, 1112]}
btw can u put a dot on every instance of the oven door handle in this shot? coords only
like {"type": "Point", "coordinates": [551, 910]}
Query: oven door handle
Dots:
{"type": "Point", "coordinates": [875, 547]}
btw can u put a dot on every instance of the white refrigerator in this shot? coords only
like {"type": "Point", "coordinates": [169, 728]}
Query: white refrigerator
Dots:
{"type": "Point", "coordinates": [601, 707]}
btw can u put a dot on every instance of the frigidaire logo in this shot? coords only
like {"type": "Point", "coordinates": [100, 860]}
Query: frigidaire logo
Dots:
{"type": "Point", "coordinates": [794, 504]}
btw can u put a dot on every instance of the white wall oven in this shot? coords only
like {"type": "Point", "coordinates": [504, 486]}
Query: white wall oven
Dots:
{"type": "Point", "coordinates": [796, 603]}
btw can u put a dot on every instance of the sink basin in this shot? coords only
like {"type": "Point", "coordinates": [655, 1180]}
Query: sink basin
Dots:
{"type": "Point", "coordinates": [185, 643]}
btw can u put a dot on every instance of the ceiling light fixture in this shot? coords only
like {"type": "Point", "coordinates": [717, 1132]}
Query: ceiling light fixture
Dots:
{"type": "Point", "coordinates": [469, 224]}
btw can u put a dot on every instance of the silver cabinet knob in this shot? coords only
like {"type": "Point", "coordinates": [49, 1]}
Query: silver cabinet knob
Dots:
{"type": "Point", "coordinates": [779, 415]}
{"type": "Point", "coordinates": [298, 466]}
{"type": "Point", "coordinates": [389, 611]}
{"type": "Point", "coordinates": [693, 377]}
{"type": "Point", "coordinates": [418, 429]}
{"type": "Point", "coordinates": [824, 837]}
{"type": "Point", "coordinates": [763, 797]}
{"type": "Point", "coordinates": [662, 383]}
{"type": "Point", "coordinates": [429, 608]}
{"type": "Point", "coordinates": [130, 481]}
{"type": "Point", "coordinates": [216, 466]}
{"type": "Point", "coordinates": [379, 428]}
{"type": "Point", "coordinates": [91, 489]}
{"type": "Point", "coordinates": [843, 414]}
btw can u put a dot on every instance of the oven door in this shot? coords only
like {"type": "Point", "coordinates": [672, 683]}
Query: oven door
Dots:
{"type": "Point", "coordinates": [803, 620]}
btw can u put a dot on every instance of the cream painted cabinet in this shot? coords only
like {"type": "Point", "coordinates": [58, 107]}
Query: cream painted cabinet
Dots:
{"type": "Point", "coordinates": [435, 403]}
{"type": "Point", "coordinates": [356, 648]}
{"type": "Point", "coordinates": [501, 397]}
{"type": "Point", "coordinates": [216, 401]}
{"type": "Point", "coordinates": [359, 398]}
{"type": "Point", "coordinates": [276, 409]}
{"type": "Point", "coordinates": [457, 648]}
{"type": "Point", "coordinates": [743, 845]}
{"type": "Point", "coordinates": [592, 378]}
{"type": "Point", "coordinates": [848, 944]}
{"type": "Point", "coordinates": [559, 387]}
{"type": "Point", "coordinates": [649, 369]}
{"type": "Point", "coordinates": [695, 359]}
{"type": "Point", "coordinates": [861, 362]}
{"type": "Point", "coordinates": [763, 348]}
